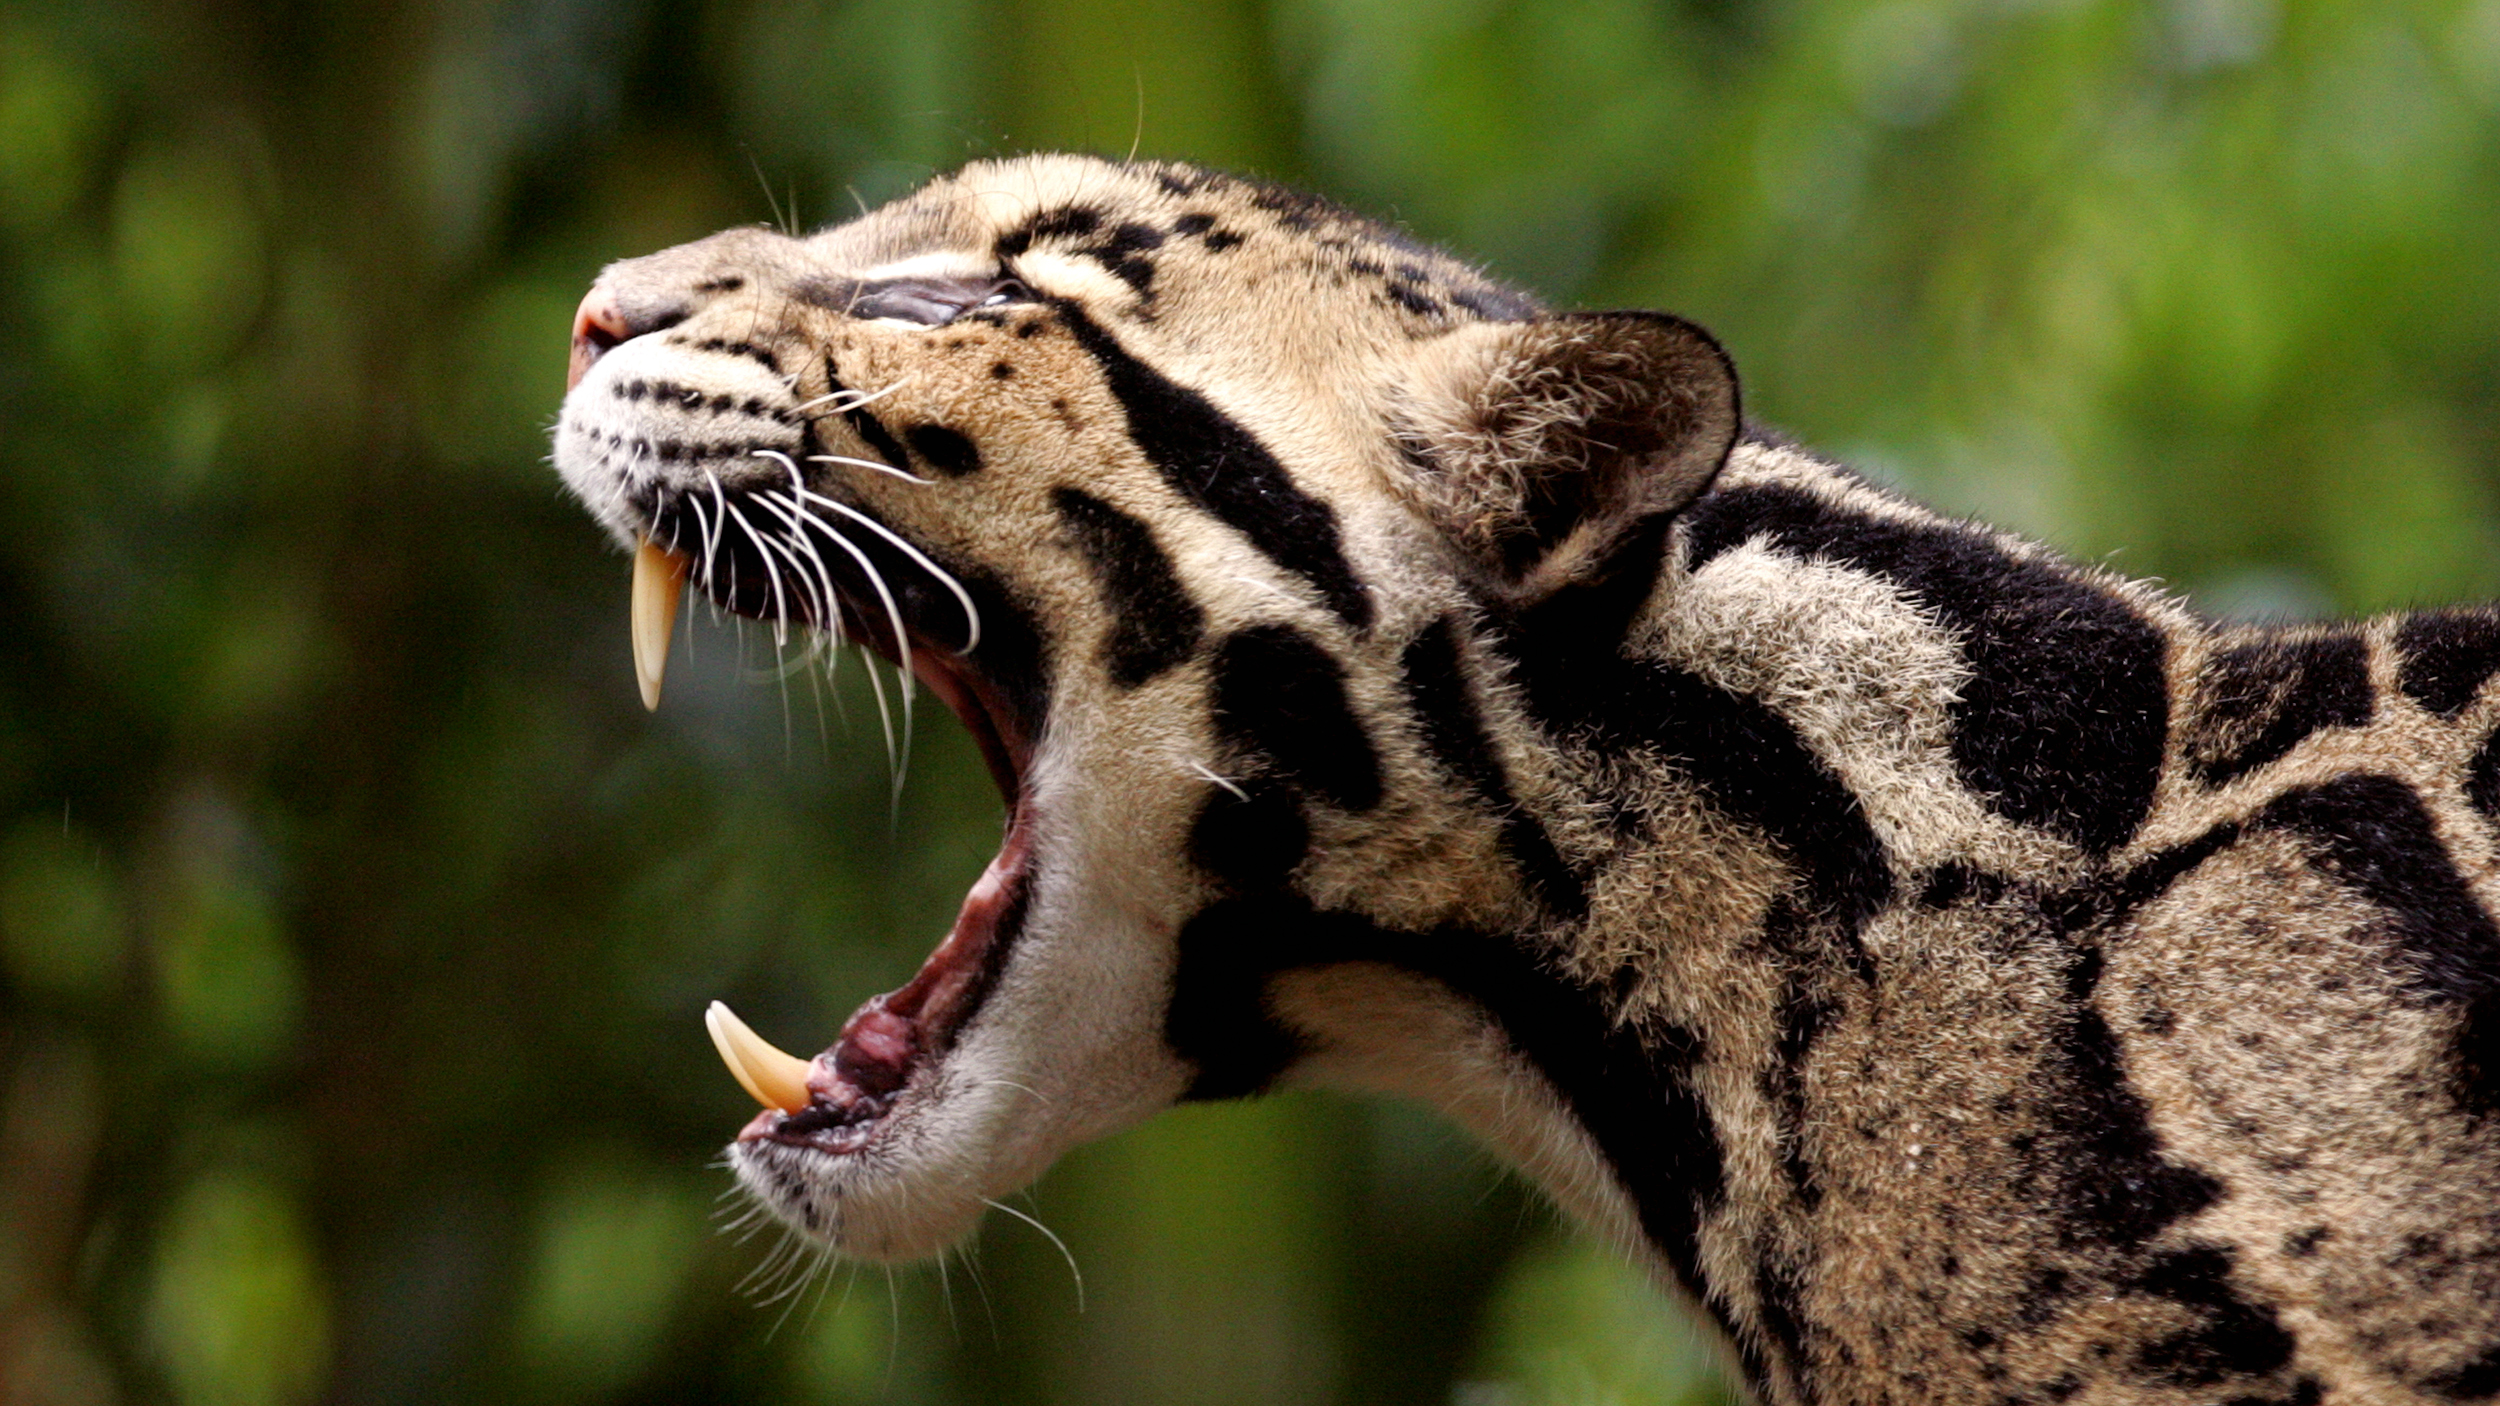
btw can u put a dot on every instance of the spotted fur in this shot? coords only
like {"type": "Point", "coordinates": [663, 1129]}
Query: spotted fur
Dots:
{"type": "Point", "coordinates": [1969, 976]}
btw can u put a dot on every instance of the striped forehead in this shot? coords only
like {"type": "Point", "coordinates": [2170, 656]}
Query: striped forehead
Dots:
{"type": "Point", "coordinates": [1148, 227]}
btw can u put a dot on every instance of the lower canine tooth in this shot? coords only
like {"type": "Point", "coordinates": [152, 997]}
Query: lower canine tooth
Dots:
{"type": "Point", "coordinates": [659, 574]}
{"type": "Point", "coordinates": [776, 1080]}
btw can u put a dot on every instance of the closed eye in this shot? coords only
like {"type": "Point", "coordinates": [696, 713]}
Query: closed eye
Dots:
{"type": "Point", "coordinates": [931, 302]}
{"type": "Point", "coordinates": [1007, 291]}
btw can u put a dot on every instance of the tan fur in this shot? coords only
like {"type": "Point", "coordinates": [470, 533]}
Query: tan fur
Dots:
{"type": "Point", "coordinates": [2169, 1115]}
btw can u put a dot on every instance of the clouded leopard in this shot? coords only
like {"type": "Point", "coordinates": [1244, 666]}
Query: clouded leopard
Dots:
{"type": "Point", "coordinates": [1970, 976]}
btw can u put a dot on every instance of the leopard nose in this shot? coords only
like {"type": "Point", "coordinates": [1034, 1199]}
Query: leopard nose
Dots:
{"type": "Point", "coordinates": [598, 326]}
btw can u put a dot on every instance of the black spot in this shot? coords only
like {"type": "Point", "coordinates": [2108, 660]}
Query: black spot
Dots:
{"type": "Point", "coordinates": [2063, 720]}
{"type": "Point", "coordinates": [1193, 223]}
{"type": "Point", "coordinates": [2098, 1165]}
{"type": "Point", "coordinates": [1494, 304]}
{"type": "Point", "coordinates": [2235, 1337]}
{"type": "Point", "coordinates": [761, 356]}
{"type": "Point", "coordinates": [2044, 1290]}
{"type": "Point", "coordinates": [1779, 1297]}
{"type": "Point", "coordinates": [1121, 249]}
{"type": "Point", "coordinates": [1155, 623]}
{"type": "Point", "coordinates": [1293, 209]}
{"type": "Point", "coordinates": [1249, 837]}
{"type": "Point", "coordinates": [2256, 700]}
{"type": "Point", "coordinates": [1277, 695]}
{"type": "Point", "coordinates": [1435, 681]}
{"type": "Point", "coordinates": [729, 284]}
{"type": "Point", "coordinates": [2373, 836]}
{"type": "Point", "coordinates": [1059, 222]}
{"type": "Point", "coordinates": [1748, 760]}
{"type": "Point", "coordinates": [1408, 297]}
{"type": "Point", "coordinates": [2482, 778]}
{"type": "Point", "coordinates": [1218, 241]}
{"type": "Point", "coordinates": [2301, 1244]}
{"type": "Point", "coordinates": [1804, 1016]}
{"type": "Point", "coordinates": [1226, 471]}
{"type": "Point", "coordinates": [948, 451]}
{"type": "Point", "coordinates": [1002, 371]}
{"type": "Point", "coordinates": [2446, 656]}
{"type": "Point", "coordinates": [2475, 1380]}
{"type": "Point", "coordinates": [865, 423]}
{"type": "Point", "coordinates": [1124, 252]}
{"type": "Point", "coordinates": [2107, 901]}
{"type": "Point", "coordinates": [1629, 1085]}
{"type": "Point", "coordinates": [1953, 883]}
{"type": "Point", "coordinates": [1134, 237]}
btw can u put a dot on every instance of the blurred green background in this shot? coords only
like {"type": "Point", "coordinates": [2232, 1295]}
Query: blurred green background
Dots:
{"type": "Point", "coordinates": [355, 922]}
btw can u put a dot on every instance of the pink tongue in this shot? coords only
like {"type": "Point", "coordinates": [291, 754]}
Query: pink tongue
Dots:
{"type": "Point", "coordinates": [875, 1052]}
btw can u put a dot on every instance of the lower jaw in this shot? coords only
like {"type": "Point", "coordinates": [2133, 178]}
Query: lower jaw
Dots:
{"type": "Point", "coordinates": [880, 1070]}
{"type": "Point", "coordinates": [893, 1203]}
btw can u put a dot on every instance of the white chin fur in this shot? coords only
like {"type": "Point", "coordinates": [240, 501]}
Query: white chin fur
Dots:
{"type": "Point", "coordinates": [916, 1187]}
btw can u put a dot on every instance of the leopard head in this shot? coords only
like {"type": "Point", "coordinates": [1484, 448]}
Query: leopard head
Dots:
{"type": "Point", "coordinates": [1191, 497]}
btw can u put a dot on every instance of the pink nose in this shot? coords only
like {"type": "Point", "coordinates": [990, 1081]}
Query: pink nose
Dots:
{"type": "Point", "coordinates": [597, 326]}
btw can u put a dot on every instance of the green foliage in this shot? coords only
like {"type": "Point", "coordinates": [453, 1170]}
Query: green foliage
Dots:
{"type": "Point", "coordinates": [1574, 1325]}
{"type": "Point", "coordinates": [236, 1310]}
{"type": "Point", "coordinates": [608, 1261]}
{"type": "Point", "coordinates": [60, 914]}
{"type": "Point", "coordinates": [355, 923]}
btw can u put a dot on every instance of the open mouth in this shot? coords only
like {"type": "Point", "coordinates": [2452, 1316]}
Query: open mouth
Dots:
{"type": "Point", "coordinates": [837, 1102]}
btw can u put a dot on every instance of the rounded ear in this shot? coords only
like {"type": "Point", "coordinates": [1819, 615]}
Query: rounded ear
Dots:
{"type": "Point", "coordinates": [1535, 445]}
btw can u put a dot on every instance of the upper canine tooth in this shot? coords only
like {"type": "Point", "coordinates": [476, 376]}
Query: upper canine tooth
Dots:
{"type": "Point", "coordinates": [659, 574]}
{"type": "Point", "coordinates": [776, 1080]}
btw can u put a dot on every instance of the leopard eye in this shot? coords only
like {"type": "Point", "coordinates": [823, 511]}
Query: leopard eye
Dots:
{"type": "Point", "coordinates": [931, 302]}
{"type": "Point", "coordinates": [1009, 290]}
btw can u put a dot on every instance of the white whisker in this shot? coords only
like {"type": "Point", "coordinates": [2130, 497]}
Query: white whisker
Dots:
{"type": "Point", "coordinates": [873, 397]}
{"type": "Point", "coordinates": [798, 570]}
{"type": "Point", "coordinates": [894, 616]}
{"type": "Point", "coordinates": [1038, 1096]}
{"type": "Point", "coordinates": [781, 605]}
{"type": "Point", "coordinates": [796, 516]}
{"type": "Point", "coordinates": [818, 586]}
{"type": "Point", "coordinates": [858, 398]}
{"type": "Point", "coordinates": [703, 539]}
{"type": "Point", "coordinates": [882, 468]}
{"type": "Point", "coordinates": [720, 524]}
{"type": "Point", "coordinates": [963, 598]}
{"type": "Point", "coordinates": [1268, 586]}
{"type": "Point", "coordinates": [885, 721]}
{"type": "Point", "coordinates": [1208, 773]}
{"type": "Point", "coordinates": [1073, 1272]}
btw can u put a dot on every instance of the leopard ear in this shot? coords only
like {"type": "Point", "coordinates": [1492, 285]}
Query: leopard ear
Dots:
{"type": "Point", "coordinates": [1534, 446]}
